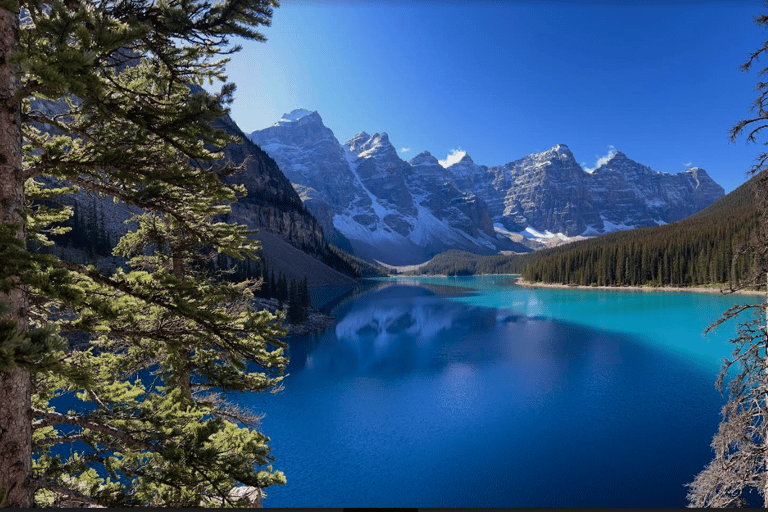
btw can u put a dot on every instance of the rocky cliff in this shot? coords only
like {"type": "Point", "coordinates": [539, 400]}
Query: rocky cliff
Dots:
{"type": "Point", "coordinates": [404, 212]}
{"type": "Point", "coordinates": [388, 209]}
{"type": "Point", "coordinates": [272, 206]}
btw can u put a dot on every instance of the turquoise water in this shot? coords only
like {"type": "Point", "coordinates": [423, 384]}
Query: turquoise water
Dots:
{"type": "Point", "coordinates": [473, 392]}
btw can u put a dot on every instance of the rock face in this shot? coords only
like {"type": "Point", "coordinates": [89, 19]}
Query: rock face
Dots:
{"type": "Point", "coordinates": [362, 192]}
{"type": "Point", "coordinates": [272, 205]}
{"type": "Point", "coordinates": [404, 212]}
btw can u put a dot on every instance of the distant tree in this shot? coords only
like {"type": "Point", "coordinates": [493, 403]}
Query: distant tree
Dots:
{"type": "Point", "coordinates": [281, 291]}
{"type": "Point", "coordinates": [304, 298]}
{"type": "Point", "coordinates": [294, 306]}
{"type": "Point", "coordinates": [105, 96]}
{"type": "Point", "coordinates": [740, 464]}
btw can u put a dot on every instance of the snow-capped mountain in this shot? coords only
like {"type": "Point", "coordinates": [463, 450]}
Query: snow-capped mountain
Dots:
{"type": "Point", "coordinates": [550, 191]}
{"type": "Point", "coordinates": [398, 212]}
{"type": "Point", "coordinates": [365, 196]}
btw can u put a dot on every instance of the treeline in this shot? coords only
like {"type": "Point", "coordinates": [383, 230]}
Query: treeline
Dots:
{"type": "Point", "coordinates": [705, 248]}
{"type": "Point", "coordinates": [462, 263]}
{"type": "Point", "coordinates": [350, 265]}
{"type": "Point", "coordinates": [697, 250]}
{"type": "Point", "coordinates": [293, 293]}
{"type": "Point", "coordinates": [89, 234]}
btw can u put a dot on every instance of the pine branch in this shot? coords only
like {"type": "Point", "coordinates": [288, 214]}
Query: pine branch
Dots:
{"type": "Point", "coordinates": [37, 483]}
{"type": "Point", "coordinates": [55, 418]}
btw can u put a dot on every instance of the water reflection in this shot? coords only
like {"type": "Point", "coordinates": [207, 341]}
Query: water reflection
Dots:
{"type": "Point", "coordinates": [436, 397]}
{"type": "Point", "coordinates": [396, 328]}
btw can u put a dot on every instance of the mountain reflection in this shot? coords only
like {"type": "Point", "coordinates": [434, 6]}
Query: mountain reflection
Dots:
{"type": "Point", "coordinates": [399, 328]}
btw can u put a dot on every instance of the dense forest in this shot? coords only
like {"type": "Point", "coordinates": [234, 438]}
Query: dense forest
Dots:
{"type": "Point", "coordinates": [698, 250]}
{"type": "Point", "coordinates": [462, 263]}
{"type": "Point", "coordinates": [704, 248]}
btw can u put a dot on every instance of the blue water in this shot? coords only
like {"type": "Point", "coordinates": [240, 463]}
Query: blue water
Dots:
{"type": "Point", "coordinates": [473, 392]}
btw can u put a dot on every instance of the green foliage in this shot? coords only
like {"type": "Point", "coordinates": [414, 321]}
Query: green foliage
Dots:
{"type": "Point", "coordinates": [111, 106]}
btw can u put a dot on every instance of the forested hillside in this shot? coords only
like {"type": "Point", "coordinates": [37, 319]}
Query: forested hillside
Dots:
{"type": "Point", "coordinates": [697, 250]}
{"type": "Point", "coordinates": [462, 263]}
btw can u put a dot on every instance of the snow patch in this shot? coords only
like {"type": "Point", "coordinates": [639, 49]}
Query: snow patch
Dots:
{"type": "Point", "coordinates": [534, 234]}
{"type": "Point", "coordinates": [590, 231]}
{"type": "Point", "coordinates": [380, 211]}
{"type": "Point", "coordinates": [501, 230]}
{"type": "Point", "coordinates": [293, 116]}
{"type": "Point", "coordinates": [610, 227]}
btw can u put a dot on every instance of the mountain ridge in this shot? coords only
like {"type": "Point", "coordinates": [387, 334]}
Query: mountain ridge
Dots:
{"type": "Point", "coordinates": [404, 212]}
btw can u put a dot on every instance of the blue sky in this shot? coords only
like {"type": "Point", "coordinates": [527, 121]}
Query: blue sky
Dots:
{"type": "Point", "coordinates": [657, 80]}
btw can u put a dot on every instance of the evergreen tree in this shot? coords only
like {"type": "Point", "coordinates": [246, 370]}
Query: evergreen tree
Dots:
{"type": "Point", "coordinates": [116, 85]}
{"type": "Point", "coordinates": [304, 299]}
{"type": "Point", "coordinates": [272, 285]}
{"type": "Point", "coordinates": [282, 289]}
{"type": "Point", "coordinates": [294, 306]}
{"type": "Point", "coordinates": [740, 463]}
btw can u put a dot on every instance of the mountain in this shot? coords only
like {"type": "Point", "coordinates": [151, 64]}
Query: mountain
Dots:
{"type": "Point", "coordinates": [550, 191]}
{"type": "Point", "coordinates": [368, 199]}
{"type": "Point", "coordinates": [365, 196]}
{"type": "Point", "coordinates": [701, 249]}
{"type": "Point", "coordinates": [292, 239]}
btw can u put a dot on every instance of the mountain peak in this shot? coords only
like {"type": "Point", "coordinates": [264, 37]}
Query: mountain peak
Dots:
{"type": "Point", "coordinates": [466, 159]}
{"type": "Point", "coordinates": [618, 161]}
{"type": "Point", "coordinates": [364, 142]}
{"type": "Point", "coordinates": [561, 151]}
{"type": "Point", "coordinates": [380, 138]}
{"type": "Point", "coordinates": [618, 156]}
{"type": "Point", "coordinates": [295, 115]}
{"type": "Point", "coordinates": [424, 158]}
{"type": "Point", "coordinates": [357, 141]}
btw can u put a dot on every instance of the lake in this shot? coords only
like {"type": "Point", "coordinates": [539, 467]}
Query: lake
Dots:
{"type": "Point", "coordinates": [474, 392]}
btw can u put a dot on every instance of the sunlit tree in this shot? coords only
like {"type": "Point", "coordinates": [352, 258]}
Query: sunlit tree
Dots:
{"type": "Point", "coordinates": [105, 97]}
{"type": "Point", "coordinates": [740, 463]}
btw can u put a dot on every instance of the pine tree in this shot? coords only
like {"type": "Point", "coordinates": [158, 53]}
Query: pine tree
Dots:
{"type": "Point", "coordinates": [115, 84]}
{"type": "Point", "coordinates": [294, 306]}
{"type": "Point", "coordinates": [281, 291]}
{"type": "Point", "coordinates": [740, 463]}
{"type": "Point", "coordinates": [304, 299]}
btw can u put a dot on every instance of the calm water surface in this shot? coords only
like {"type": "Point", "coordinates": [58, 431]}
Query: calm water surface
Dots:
{"type": "Point", "coordinates": [473, 392]}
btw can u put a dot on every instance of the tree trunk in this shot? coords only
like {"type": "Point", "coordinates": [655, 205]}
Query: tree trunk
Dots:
{"type": "Point", "coordinates": [15, 385]}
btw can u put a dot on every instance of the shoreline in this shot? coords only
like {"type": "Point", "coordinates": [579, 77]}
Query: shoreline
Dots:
{"type": "Point", "coordinates": [695, 289]}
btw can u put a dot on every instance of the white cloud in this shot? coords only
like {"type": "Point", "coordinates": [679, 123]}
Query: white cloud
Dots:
{"type": "Point", "coordinates": [405, 150]}
{"type": "Point", "coordinates": [688, 164]}
{"type": "Point", "coordinates": [601, 159]}
{"type": "Point", "coordinates": [454, 156]}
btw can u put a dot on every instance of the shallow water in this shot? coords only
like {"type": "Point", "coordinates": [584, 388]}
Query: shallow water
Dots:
{"type": "Point", "coordinates": [473, 392]}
